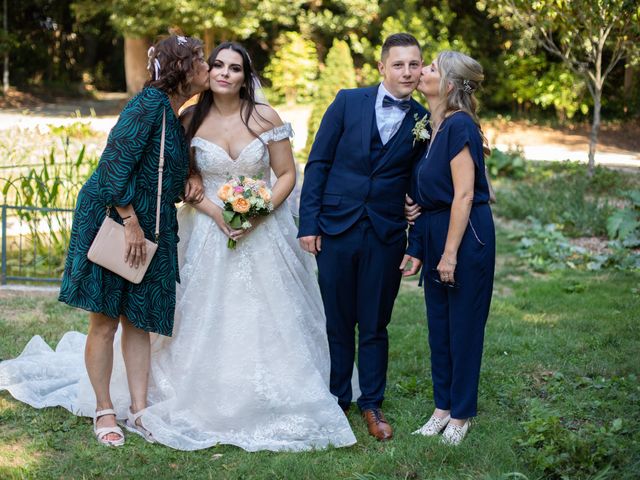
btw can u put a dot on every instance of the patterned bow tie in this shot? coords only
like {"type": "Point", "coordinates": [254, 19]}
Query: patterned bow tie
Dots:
{"type": "Point", "coordinates": [388, 102]}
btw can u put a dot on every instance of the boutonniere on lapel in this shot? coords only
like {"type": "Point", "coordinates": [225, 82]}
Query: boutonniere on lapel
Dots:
{"type": "Point", "coordinates": [420, 131]}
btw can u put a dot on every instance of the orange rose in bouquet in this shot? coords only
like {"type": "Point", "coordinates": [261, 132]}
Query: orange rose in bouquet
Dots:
{"type": "Point", "coordinates": [244, 198]}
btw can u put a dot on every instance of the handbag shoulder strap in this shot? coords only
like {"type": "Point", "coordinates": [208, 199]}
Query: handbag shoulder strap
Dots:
{"type": "Point", "coordinates": [160, 170]}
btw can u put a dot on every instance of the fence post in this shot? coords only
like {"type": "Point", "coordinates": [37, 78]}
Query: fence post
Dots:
{"type": "Point", "coordinates": [3, 275]}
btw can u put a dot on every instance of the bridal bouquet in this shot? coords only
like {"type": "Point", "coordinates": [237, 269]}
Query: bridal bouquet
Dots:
{"type": "Point", "coordinates": [244, 198]}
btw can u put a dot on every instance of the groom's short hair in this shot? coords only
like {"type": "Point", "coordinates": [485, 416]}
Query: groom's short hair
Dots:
{"type": "Point", "coordinates": [398, 40]}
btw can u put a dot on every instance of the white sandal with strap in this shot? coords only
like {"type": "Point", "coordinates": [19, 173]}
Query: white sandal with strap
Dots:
{"type": "Point", "coordinates": [133, 427]}
{"type": "Point", "coordinates": [102, 432]}
{"type": "Point", "coordinates": [454, 434]}
{"type": "Point", "coordinates": [434, 426]}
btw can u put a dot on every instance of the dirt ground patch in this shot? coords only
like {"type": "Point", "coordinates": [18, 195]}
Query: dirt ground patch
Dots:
{"type": "Point", "coordinates": [614, 137]}
{"type": "Point", "coordinates": [101, 104]}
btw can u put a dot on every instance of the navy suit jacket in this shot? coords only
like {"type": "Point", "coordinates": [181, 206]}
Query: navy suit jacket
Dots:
{"type": "Point", "coordinates": [340, 181]}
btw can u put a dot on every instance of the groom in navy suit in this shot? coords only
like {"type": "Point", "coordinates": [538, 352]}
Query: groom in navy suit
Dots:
{"type": "Point", "coordinates": [352, 219]}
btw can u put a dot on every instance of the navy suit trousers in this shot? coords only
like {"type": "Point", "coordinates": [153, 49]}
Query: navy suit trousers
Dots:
{"type": "Point", "coordinates": [359, 277]}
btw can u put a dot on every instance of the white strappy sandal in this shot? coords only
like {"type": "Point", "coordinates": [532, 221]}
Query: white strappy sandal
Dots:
{"type": "Point", "coordinates": [454, 434]}
{"type": "Point", "coordinates": [434, 426]}
{"type": "Point", "coordinates": [102, 432]}
{"type": "Point", "coordinates": [133, 427]}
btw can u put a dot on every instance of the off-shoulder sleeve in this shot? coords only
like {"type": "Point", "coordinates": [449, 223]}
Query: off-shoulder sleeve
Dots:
{"type": "Point", "coordinates": [127, 142]}
{"type": "Point", "coordinates": [278, 133]}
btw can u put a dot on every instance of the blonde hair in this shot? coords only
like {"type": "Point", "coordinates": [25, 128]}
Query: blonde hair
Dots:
{"type": "Point", "coordinates": [464, 75]}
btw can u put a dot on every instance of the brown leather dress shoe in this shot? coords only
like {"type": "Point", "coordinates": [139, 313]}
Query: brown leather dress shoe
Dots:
{"type": "Point", "coordinates": [377, 424]}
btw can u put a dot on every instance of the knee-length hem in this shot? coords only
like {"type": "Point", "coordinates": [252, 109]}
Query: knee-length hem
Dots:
{"type": "Point", "coordinates": [128, 174]}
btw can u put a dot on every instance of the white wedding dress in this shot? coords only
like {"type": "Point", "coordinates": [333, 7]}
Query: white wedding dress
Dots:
{"type": "Point", "coordinates": [248, 362]}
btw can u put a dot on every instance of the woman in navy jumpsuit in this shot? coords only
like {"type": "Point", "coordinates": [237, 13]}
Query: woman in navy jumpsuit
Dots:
{"type": "Point", "coordinates": [454, 238]}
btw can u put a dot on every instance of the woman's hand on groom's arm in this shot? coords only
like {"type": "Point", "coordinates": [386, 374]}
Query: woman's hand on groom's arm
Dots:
{"type": "Point", "coordinates": [311, 243]}
{"type": "Point", "coordinates": [411, 209]}
{"type": "Point", "coordinates": [194, 189]}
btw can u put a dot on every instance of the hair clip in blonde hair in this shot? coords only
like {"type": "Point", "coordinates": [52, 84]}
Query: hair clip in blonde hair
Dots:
{"type": "Point", "coordinates": [182, 40]}
{"type": "Point", "coordinates": [466, 87]}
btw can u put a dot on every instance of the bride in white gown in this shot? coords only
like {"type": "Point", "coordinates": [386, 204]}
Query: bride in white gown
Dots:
{"type": "Point", "coordinates": [248, 363]}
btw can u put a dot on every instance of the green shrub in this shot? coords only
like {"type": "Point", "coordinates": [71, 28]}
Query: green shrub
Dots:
{"type": "Point", "coordinates": [77, 130]}
{"type": "Point", "coordinates": [545, 248]}
{"type": "Point", "coordinates": [624, 224]}
{"type": "Point", "coordinates": [506, 164]}
{"type": "Point", "coordinates": [563, 451]}
{"type": "Point", "coordinates": [569, 200]}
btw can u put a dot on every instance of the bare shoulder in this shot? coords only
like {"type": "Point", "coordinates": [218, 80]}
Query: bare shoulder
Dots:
{"type": "Point", "coordinates": [186, 115]}
{"type": "Point", "coordinates": [266, 118]}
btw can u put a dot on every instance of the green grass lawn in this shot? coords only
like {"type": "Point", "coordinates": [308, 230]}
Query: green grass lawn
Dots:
{"type": "Point", "coordinates": [559, 396]}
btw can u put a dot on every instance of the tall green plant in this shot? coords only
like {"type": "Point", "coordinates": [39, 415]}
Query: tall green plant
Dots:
{"type": "Point", "coordinates": [293, 69]}
{"type": "Point", "coordinates": [54, 184]}
{"type": "Point", "coordinates": [624, 224]}
{"type": "Point", "coordinates": [338, 73]}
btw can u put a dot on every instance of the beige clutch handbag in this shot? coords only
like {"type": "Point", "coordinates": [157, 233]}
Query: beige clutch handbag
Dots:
{"type": "Point", "coordinates": [107, 249]}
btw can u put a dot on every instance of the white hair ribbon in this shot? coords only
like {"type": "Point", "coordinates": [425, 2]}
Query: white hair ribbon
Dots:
{"type": "Point", "coordinates": [156, 63]}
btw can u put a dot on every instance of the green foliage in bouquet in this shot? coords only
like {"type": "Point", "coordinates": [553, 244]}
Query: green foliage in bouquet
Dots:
{"type": "Point", "coordinates": [244, 198]}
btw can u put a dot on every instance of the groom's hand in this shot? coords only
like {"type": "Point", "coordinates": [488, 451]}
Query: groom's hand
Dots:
{"type": "Point", "coordinates": [415, 266]}
{"type": "Point", "coordinates": [311, 243]}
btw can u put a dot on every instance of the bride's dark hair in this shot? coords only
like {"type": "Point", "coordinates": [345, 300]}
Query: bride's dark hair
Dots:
{"type": "Point", "coordinates": [247, 92]}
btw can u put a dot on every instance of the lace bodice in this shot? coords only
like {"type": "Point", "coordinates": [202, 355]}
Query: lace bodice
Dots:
{"type": "Point", "coordinates": [216, 165]}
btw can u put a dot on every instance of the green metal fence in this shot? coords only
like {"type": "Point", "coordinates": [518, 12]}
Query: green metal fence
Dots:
{"type": "Point", "coordinates": [34, 243]}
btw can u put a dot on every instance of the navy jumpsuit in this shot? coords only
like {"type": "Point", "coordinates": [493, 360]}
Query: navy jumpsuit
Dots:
{"type": "Point", "coordinates": [457, 314]}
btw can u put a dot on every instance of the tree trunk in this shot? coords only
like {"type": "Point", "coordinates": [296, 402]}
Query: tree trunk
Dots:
{"type": "Point", "coordinates": [209, 41]}
{"type": "Point", "coordinates": [628, 86]}
{"type": "Point", "coordinates": [135, 63]}
{"type": "Point", "coordinates": [595, 127]}
{"type": "Point", "coordinates": [5, 74]}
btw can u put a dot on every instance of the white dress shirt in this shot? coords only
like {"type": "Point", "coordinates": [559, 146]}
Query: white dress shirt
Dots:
{"type": "Point", "coordinates": [388, 119]}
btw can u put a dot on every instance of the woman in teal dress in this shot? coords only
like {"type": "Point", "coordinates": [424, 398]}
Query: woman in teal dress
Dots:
{"type": "Point", "coordinates": [126, 180]}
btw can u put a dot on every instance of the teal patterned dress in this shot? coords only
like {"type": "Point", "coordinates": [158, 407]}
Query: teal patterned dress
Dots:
{"type": "Point", "coordinates": [128, 174]}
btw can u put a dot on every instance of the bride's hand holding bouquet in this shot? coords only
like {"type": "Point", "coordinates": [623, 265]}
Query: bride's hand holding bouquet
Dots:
{"type": "Point", "coordinates": [244, 198]}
